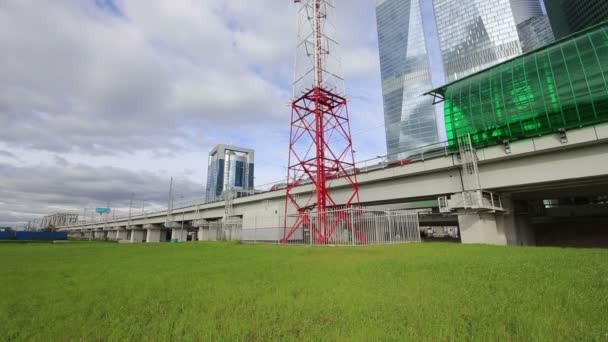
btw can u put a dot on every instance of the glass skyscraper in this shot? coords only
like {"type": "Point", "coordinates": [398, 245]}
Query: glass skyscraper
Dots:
{"type": "Point", "coordinates": [570, 16]}
{"type": "Point", "coordinates": [535, 33]}
{"type": "Point", "coordinates": [230, 169]}
{"type": "Point", "coordinates": [409, 117]}
{"type": "Point", "coordinates": [427, 43]}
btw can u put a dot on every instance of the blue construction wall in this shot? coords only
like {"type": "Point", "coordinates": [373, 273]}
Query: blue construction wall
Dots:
{"type": "Point", "coordinates": [7, 235]}
{"type": "Point", "coordinates": [41, 235]}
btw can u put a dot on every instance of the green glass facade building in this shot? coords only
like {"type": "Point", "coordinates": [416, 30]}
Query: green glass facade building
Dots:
{"type": "Point", "coordinates": [561, 86]}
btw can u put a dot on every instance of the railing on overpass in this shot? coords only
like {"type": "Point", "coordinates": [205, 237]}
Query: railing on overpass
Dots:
{"type": "Point", "coordinates": [418, 154]}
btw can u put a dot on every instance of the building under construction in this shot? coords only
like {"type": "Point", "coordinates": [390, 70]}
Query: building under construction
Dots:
{"type": "Point", "coordinates": [58, 220]}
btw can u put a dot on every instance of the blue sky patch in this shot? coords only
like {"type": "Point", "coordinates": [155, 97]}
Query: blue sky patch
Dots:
{"type": "Point", "coordinates": [109, 6]}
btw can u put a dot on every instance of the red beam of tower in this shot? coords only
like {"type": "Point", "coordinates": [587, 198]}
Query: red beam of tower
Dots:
{"type": "Point", "coordinates": [320, 145]}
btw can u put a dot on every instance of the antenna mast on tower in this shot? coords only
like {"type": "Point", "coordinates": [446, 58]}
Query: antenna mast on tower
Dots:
{"type": "Point", "coordinates": [320, 145]}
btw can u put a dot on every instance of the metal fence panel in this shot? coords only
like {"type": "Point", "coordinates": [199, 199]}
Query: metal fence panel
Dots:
{"type": "Point", "coordinates": [347, 227]}
{"type": "Point", "coordinates": [344, 227]}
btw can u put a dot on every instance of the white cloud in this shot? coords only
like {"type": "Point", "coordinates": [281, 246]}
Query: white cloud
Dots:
{"type": "Point", "coordinates": [360, 63]}
{"type": "Point", "coordinates": [155, 86]}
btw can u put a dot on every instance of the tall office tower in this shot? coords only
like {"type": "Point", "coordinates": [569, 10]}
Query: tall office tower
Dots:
{"type": "Point", "coordinates": [535, 33]}
{"type": "Point", "coordinates": [230, 169]}
{"type": "Point", "coordinates": [533, 26]}
{"type": "Point", "coordinates": [477, 34]}
{"type": "Point", "coordinates": [410, 119]}
{"type": "Point", "coordinates": [427, 43]}
{"type": "Point", "coordinates": [570, 16]}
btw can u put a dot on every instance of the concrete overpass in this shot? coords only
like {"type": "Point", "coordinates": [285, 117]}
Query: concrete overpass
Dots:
{"type": "Point", "coordinates": [528, 171]}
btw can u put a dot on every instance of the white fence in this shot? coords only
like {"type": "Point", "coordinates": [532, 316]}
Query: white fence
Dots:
{"type": "Point", "coordinates": [336, 227]}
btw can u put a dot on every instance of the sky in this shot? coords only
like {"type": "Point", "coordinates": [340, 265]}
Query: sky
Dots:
{"type": "Point", "coordinates": [104, 100]}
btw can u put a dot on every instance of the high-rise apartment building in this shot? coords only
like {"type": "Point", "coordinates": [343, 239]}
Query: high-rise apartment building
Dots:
{"type": "Point", "coordinates": [570, 16]}
{"type": "Point", "coordinates": [427, 43]}
{"type": "Point", "coordinates": [230, 169]}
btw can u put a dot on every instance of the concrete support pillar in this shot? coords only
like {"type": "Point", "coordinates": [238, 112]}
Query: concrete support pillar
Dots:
{"type": "Point", "coordinates": [516, 228]}
{"type": "Point", "coordinates": [179, 231]}
{"type": "Point", "coordinates": [213, 233]}
{"type": "Point", "coordinates": [99, 235]}
{"type": "Point", "coordinates": [201, 234]}
{"type": "Point", "coordinates": [496, 229]}
{"type": "Point", "coordinates": [122, 235]}
{"type": "Point", "coordinates": [181, 235]}
{"type": "Point", "coordinates": [154, 235]}
{"type": "Point", "coordinates": [138, 235]}
{"type": "Point", "coordinates": [500, 228]}
{"type": "Point", "coordinates": [112, 235]}
{"type": "Point", "coordinates": [482, 228]}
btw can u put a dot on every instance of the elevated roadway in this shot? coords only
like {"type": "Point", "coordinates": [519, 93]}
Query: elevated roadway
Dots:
{"type": "Point", "coordinates": [543, 165]}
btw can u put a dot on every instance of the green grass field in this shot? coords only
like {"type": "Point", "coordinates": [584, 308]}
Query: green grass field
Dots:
{"type": "Point", "coordinates": [222, 291]}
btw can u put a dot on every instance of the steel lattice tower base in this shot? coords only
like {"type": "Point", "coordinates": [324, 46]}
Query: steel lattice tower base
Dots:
{"type": "Point", "coordinates": [320, 120]}
{"type": "Point", "coordinates": [320, 144]}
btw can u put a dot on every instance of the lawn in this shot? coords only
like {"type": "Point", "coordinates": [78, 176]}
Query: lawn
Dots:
{"type": "Point", "coordinates": [225, 291]}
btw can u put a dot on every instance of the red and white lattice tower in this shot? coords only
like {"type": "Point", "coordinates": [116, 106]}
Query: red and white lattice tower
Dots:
{"type": "Point", "coordinates": [320, 145]}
